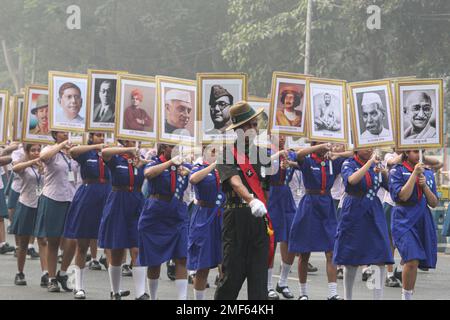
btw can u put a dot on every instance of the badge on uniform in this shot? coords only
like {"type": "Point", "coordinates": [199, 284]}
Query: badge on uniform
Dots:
{"type": "Point", "coordinates": [71, 176]}
{"type": "Point", "coordinates": [173, 168]}
{"type": "Point", "coordinates": [323, 164]}
{"type": "Point", "coordinates": [38, 191]}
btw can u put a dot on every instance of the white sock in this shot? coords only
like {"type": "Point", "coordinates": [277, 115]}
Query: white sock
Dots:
{"type": "Point", "coordinates": [407, 294]}
{"type": "Point", "coordinates": [390, 274]}
{"type": "Point", "coordinates": [79, 278]}
{"type": "Point", "coordinates": [303, 289]}
{"type": "Point", "coordinates": [181, 285]}
{"type": "Point", "coordinates": [30, 246]}
{"type": "Point", "coordinates": [332, 289]}
{"type": "Point", "coordinates": [139, 279]}
{"type": "Point", "coordinates": [2, 244]}
{"type": "Point", "coordinates": [44, 272]}
{"type": "Point", "coordinates": [115, 277]}
{"type": "Point", "coordinates": [199, 294]}
{"type": "Point", "coordinates": [285, 269]}
{"type": "Point", "coordinates": [365, 269]}
{"type": "Point", "coordinates": [379, 284]}
{"type": "Point", "coordinates": [62, 273]}
{"type": "Point", "coordinates": [349, 280]}
{"type": "Point", "coordinates": [269, 279]}
{"type": "Point", "coordinates": [153, 284]}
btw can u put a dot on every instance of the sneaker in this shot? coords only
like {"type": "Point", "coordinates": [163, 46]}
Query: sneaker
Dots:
{"type": "Point", "coordinates": [53, 286]}
{"type": "Point", "coordinates": [80, 295]}
{"type": "Point", "coordinates": [103, 261]}
{"type": "Point", "coordinates": [285, 292]}
{"type": "Point", "coordinates": [32, 253]}
{"type": "Point", "coordinates": [63, 280]}
{"type": "Point", "coordinates": [20, 279]}
{"type": "Point", "coordinates": [311, 268]}
{"type": "Point", "coordinates": [6, 248]}
{"type": "Point", "coordinates": [303, 297]}
{"type": "Point", "coordinates": [116, 296]}
{"type": "Point", "coordinates": [171, 270]}
{"type": "Point", "coordinates": [125, 293]}
{"type": "Point", "coordinates": [126, 271]}
{"type": "Point", "coordinates": [392, 282]}
{"type": "Point", "coordinates": [398, 274]}
{"type": "Point", "coordinates": [340, 273]}
{"type": "Point", "coordinates": [335, 297]}
{"type": "Point", "coordinates": [366, 274]}
{"type": "Point", "coordinates": [145, 296]}
{"type": "Point", "coordinates": [44, 281]}
{"type": "Point", "coordinates": [95, 265]}
{"type": "Point", "coordinates": [272, 295]}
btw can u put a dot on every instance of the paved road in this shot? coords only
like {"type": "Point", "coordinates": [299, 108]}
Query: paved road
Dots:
{"type": "Point", "coordinates": [430, 285]}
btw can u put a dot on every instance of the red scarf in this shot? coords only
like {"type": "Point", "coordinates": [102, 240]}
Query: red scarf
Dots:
{"type": "Point", "coordinates": [319, 161]}
{"type": "Point", "coordinates": [419, 188]}
{"type": "Point", "coordinates": [368, 177]}
{"type": "Point", "coordinates": [255, 185]}
{"type": "Point", "coordinates": [173, 174]}
{"type": "Point", "coordinates": [130, 171]}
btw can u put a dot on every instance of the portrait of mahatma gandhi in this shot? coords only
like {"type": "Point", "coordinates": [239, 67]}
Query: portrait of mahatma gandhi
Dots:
{"type": "Point", "coordinates": [374, 115]}
{"type": "Point", "coordinates": [418, 111]}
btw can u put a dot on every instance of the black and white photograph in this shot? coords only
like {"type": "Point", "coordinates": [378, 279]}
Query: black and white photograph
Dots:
{"type": "Point", "coordinates": [420, 110]}
{"type": "Point", "coordinates": [217, 93]}
{"type": "Point", "coordinates": [371, 104]}
{"type": "Point", "coordinates": [327, 105]}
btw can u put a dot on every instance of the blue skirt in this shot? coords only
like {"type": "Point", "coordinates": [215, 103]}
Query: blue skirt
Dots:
{"type": "Point", "coordinates": [3, 207]}
{"type": "Point", "coordinates": [282, 211]}
{"type": "Point", "coordinates": [85, 212]}
{"type": "Point", "coordinates": [163, 228]}
{"type": "Point", "coordinates": [314, 225]}
{"type": "Point", "coordinates": [118, 226]}
{"type": "Point", "coordinates": [23, 220]}
{"type": "Point", "coordinates": [362, 237]}
{"type": "Point", "coordinates": [5, 181]}
{"type": "Point", "coordinates": [50, 219]}
{"type": "Point", "coordinates": [13, 198]}
{"type": "Point", "coordinates": [419, 242]}
{"type": "Point", "coordinates": [205, 239]}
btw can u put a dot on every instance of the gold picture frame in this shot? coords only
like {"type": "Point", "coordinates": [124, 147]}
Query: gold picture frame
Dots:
{"type": "Point", "coordinates": [382, 90]}
{"type": "Point", "coordinates": [236, 85]}
{"type": "Point", "coordinates": [298, 82]}
{"type": "Point", "coordinates": [188, 135]}
{"type": "Point", "coordinates": [126, 82]}
{"type": "Point", "coordinates": [425, 138]}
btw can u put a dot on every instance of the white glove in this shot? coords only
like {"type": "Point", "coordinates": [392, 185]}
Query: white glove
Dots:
{"type": "Point", "coordinates": [258, 208]}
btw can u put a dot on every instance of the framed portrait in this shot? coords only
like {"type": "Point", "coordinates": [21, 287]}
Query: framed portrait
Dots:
{"type": "Point", "coordinates": [297, 142]}
{"type": "Point", "coordinates": [101, 101]}
{"type": "Point", "coordinates": [36, 125]}
{"type": "Point", "coordinates": [420, 114]}
{"type": "Point", "coordinates": [136, 98]}
{"type": "Point", "coordinates": [263, 119]}
{"type": "Point", "coordinates": [176, 110]}
{"type": "Point", "coordinates": [67, 103]}
{"type": "Point", "coordinates": [217, 92]}
{"type": "Point", "coordinates": [18, 107]}
{"type": "Point", "coordinates": [4, 105]}
{"type": "Point", "coordinates": [372, 107]}
{"type": "Point", "coordinates": [287, 106]}
{"type": "Point", "coordinates": [327, 110]}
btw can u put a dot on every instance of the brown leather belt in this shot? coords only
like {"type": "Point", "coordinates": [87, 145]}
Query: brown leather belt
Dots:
{"type": "Point", "coordinates": [358, 194]}
{"type": "Point", "coordinates": [95, 181]}
{"type": "Point", "coordinates": [405, 204]}
{"type": "Point", "coordinates": [317, 192]}
{"type": "Point", "coordinates": [125, 189]}
{"type": "Point", "coordinates": [162, 197]}
{"type": "Point", "coordinates": [205, 204]}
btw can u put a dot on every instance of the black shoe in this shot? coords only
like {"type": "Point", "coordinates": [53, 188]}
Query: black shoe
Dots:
{"type": "Point", "coordinates": [285, 292]}
{"type": "Point", "coordinates": [145, 296]}
{"type": "Point", "coordinates": [53, 286]}
{"type": "Point", "coordinates": [116, 296]}
{"type": "Point", "coordinates": [272, 295]}
{"type": "Point", "coordinates": [303, 297]}
{"type": "Point", "coordinates": [336, 297]}
{"type": "Point", "coordinates": [20, 280]}
{"type": "Point", "coordinates": [95, 265]}
{"type": "Point", "coordinates": [398, 274]}
{"type": "Point", "coordinates": [171, 270]}
{"type": "Point", "coordinates": [44, 281]}
{"type": "Point", "coordinates": [311, 268]}
{"type": "Point", "coordinates": [392, 282]}
{"type": "Point", "coordinates": [79, 295]}
{"type": "Point", "coordinates": [104, 262]}
{"type": "Point", "coordinates": [340, 274]}
{"type": "Point", "coordinates": [32, 253]}
{"type": "Point", "coordinates": [63, 280]}
{"type": "Point", "coordinates": [366, 274]}
{"type": "Point", "coordinates": [6, 248]}
{"type": "Point", "coordinates": [125, 293]}
{"type": "Point", "coordinates": [126, 271]}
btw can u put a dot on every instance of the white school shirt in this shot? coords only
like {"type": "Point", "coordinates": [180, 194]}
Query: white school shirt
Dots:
{"type": "Point", "coordinates": [57, 186]}
{"type": "Point", "coordinates": [17, 156]}
{"type": "Point", "coordinates": [29, 180]}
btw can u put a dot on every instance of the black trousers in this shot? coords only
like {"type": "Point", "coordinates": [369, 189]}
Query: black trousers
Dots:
{"type": "Point", "coordinates": [245, 255]}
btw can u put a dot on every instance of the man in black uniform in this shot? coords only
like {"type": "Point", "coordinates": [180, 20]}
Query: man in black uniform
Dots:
{"type": "Point", "coordinates": [245, 223]}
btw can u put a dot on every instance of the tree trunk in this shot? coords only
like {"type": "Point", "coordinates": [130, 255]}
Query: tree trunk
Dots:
{"type": "Point", "coordinates": [10, 66]}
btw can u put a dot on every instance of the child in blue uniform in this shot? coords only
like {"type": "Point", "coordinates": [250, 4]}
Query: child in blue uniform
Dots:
{"type": "Point", "coordinates": [163, 224]}
{"type": "Point", "coordinates": [362, 236]}
{"type": "Point", "coordinates": [118, 226]}
{"type": "Point", "coordinates": [85, 212]}
{"type": "Point", "coordinates": [314, 225]}
{"type": "Point", "coordinates": [282, 208]}
{"type": "Point", "coordinates": [205, 231]}
{"type": "Point", "coordinates": [413, 188]}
